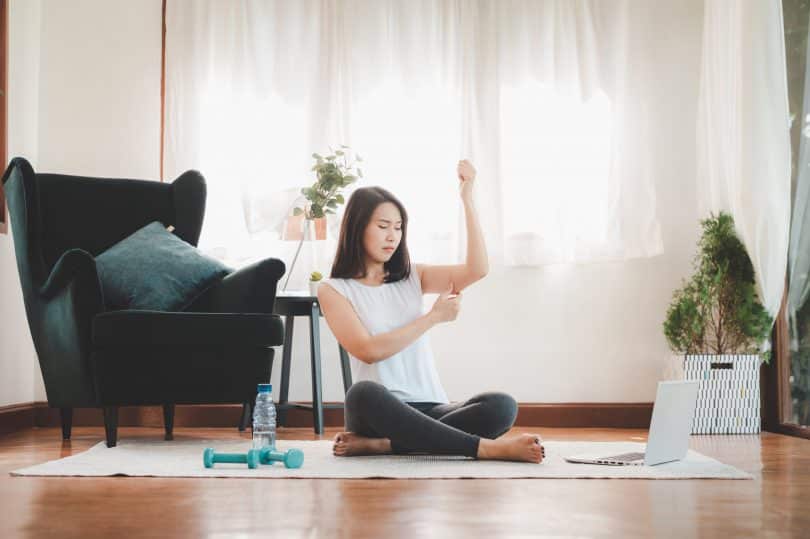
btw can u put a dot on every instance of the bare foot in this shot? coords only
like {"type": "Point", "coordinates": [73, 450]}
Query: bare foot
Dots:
{"type": "Point", "coordinates": [349, 444]}
{"type": "Point", "coordinates": [522, 448]}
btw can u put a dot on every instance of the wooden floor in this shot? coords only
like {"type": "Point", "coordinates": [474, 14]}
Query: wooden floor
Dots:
{"type": "Point", "coordinates": [775, 504]}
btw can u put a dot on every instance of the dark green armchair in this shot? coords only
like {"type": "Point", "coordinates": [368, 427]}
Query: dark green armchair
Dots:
{"type": "Point", "coordinates": [214, 352]}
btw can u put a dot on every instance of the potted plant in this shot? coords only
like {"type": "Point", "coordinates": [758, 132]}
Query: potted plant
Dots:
{"type": "Point", "coordinates": [717, 322]}
{"type": "Point", "coordinates": [332, 174]}
{"type": "Point", "coordinates": [314, 281]}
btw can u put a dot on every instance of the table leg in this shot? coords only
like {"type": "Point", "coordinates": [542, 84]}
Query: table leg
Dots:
{"type": "Point", "coordinates": [286, 357]}
{"type": "Point", "coordinates": [346, 369]}
{"type": "Point", "coordinates": [315, 355]}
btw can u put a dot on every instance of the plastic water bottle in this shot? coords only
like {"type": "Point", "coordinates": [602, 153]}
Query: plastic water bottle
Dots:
{"type": "Point", "coordinates": [264, 418]}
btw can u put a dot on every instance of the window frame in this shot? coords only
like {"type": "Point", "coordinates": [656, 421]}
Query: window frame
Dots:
{"type": "Point", "coordinates": [777, 402]}
{"type": "Point", "coordinates": [777, 405]}
{"type": "Point", "coordinates": [3, 107]}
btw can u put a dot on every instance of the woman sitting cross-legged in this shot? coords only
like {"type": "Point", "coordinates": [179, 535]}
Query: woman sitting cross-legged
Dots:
{"type": "Point", "coordinates": [373, 304]}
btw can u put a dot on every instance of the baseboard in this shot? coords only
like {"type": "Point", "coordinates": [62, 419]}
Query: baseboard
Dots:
{"type": "Point", "coordinates": [799, 431]}
{"type": "Point", "coordinates": [16, 416]}
{"type": "Point", "coordinates": [565, 415]}
{"type": "Point", "coordinates": [617, 415]}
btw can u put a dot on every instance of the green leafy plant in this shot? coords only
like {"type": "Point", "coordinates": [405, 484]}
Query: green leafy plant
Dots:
{"type": "Point", "coordinates": [717, 311]}
{"type": "Point", "coordinates": [800, 365]}
{"type": "Point", "coordinates": [800, 384]}
{"type": "Point", "coordinates": [332, 173]}
{"type": "Point", "coordinates": [315, 276]}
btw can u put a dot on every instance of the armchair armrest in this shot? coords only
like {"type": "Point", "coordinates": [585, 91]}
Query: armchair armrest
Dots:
{"type": "Point", "coordinates": [71, 299]}
{"type": "Point", "coordinates": [251, 289]}
{"type": "Point", "coordinates": [77, 266]}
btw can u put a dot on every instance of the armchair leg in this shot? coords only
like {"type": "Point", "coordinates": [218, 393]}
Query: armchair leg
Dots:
{"type": "Point", "coordinates": [168, 421]}
{"type": "Point", "coordinates": [67, 422]}
{"type": "Point", "coordinates": [247, 414]}
{"type": "Point", "coordinates": [111, 425]}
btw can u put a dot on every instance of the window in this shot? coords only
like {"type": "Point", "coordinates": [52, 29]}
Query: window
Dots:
{"type": "Point", "coordinates": [786, 384]}
{"type": "Point", "coordinates": [555, 164]}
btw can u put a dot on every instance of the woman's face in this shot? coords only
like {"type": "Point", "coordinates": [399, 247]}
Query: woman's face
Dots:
{"type": "Point", "coordinates": [383, 233]}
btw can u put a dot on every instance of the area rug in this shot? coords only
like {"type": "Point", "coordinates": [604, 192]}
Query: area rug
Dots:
{"type": "Point", "coordinates": [183, 458]}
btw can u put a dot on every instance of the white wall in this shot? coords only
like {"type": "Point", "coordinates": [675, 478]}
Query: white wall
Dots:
{"type": "Point", "coordinates": [587, 333]}
{"type": "Point", "coordinates": [17, 356]}
{"type": "Point", "coordinates": [99, 102]}
{"type": "Point", "coordinates": [84, 98]}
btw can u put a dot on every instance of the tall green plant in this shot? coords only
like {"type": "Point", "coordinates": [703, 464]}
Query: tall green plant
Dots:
{"type": "Point", "coordinates": [717, 311]}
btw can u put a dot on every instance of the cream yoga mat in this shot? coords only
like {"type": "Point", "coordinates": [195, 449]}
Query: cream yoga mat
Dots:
{"type": "Point", "coordinates": [183, 458]}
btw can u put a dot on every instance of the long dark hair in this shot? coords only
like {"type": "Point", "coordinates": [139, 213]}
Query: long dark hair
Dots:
{"type": "Point", "coordinates": [350, 257]}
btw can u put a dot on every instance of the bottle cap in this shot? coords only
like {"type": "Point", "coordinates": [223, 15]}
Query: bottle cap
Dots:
{"type": "Point", "coordinates": [265, 388]}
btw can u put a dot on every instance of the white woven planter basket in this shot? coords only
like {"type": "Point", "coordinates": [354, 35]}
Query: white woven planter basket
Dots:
{"type": "Point", "coordinates": [728, 395]}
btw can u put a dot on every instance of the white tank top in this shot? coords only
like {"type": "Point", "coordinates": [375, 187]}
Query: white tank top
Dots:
{"type": "Point", "coordinates": [411, 373]}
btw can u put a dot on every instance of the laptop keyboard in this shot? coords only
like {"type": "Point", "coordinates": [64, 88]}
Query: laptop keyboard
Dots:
{"type": "Point", "coordinates": [626, 457]}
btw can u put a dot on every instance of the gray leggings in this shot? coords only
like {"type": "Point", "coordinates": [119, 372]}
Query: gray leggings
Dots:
{"type": "Point", "coordinates": [444, 429]}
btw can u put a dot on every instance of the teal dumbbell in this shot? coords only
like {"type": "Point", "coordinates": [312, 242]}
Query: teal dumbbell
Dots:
{"type": "Point", "coordinates": [251, 458]}
{"type": "Point", "coordinates": [292, 458]}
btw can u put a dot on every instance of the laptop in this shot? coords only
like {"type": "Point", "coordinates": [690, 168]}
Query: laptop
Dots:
{"type": "Point", "coordinates": [671, 424]}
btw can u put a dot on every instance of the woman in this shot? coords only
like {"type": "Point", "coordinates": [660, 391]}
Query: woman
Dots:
{"type": "Point", "coordinates": [373, 304]}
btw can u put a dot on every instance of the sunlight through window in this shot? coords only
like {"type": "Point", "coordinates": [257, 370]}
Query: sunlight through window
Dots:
{"type": "Point", "coordinates": [252, 150]}
{"type": "Point", "coordinates": [555, 170]}
{"type": "Point", "coordinates": [411, 136]}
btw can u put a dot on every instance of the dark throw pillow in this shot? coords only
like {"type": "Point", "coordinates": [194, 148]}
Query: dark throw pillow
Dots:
{"type": "Point", "coordinates": [154, 270]}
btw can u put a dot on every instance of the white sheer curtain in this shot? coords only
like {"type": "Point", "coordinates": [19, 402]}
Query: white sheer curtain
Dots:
{"type": "Point", "coordinates": [547, 98]}
{"type": "Point", "coordinates": [743, 133]}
